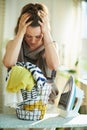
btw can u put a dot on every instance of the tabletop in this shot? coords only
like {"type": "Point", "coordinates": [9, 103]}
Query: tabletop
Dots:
{"type": "Point", "coordinates": [49, 121]}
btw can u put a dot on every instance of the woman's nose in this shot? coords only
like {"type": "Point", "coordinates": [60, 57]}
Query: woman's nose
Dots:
{"type": "Point", "coordinates": [33, 40]}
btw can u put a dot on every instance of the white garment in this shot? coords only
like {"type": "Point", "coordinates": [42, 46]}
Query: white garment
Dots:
{"type": "Point", "coordinates": [11, 99]}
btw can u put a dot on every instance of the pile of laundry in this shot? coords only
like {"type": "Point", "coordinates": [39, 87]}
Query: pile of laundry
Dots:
{"type": "Point", "coordinates": [27, 90]}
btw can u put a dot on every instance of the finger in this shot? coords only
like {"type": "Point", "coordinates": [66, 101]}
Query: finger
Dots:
{"type": "Point", "coordinates": [24, 18]}
{"type": "Point", "coordinates": [41, 24]}
{"type": "Point", "coordinates": [42, 14]}
{"type": "Point", "coordinates": [27, 24]}
{"type": "Point", "coordinates": [26, 15]}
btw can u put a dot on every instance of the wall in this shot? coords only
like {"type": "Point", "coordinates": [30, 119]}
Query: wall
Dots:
{"type": "Point", "coordinates": [2, 12]}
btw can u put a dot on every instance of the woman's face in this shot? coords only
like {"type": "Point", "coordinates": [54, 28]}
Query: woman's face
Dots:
{"type": "Point", "coordinates": [33, 37]}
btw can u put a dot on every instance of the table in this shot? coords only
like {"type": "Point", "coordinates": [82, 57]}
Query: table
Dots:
{"type": "Point", "coordinates": [50, 121]}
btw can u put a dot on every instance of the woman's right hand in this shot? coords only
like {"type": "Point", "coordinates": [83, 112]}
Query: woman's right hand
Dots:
{"type": "Point", "coordinates": [22, 23]}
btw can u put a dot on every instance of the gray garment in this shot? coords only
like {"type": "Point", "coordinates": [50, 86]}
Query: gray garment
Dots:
{"type": "Point", "coordinates": [35, 57]}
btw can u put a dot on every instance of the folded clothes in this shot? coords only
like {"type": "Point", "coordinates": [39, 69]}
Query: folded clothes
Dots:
{"type": "Point", "coordinates": [20, 78]}
{"type": "Point", "coordinates": [36, 72]}
{"type": "Point", "coordinates": [28, 79]}
{"type": "Point", "coordinates": [42, 81]}
{"type": "Point", "coordinates": [38, 105]}
{"type": "Point", "coordinates": [12, 99]}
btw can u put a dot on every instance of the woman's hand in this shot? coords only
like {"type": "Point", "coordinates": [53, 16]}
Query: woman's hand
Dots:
{"type": "Point", "coordinates": [22, 23]}
{"type": "Point", "coordinates": [45, 27]}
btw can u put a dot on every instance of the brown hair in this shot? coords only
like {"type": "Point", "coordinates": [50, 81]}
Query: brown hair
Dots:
{"type": "Point", "coordinates": [37, 11]}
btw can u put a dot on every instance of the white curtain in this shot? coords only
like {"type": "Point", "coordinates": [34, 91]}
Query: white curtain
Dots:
{"type": "Point", "coordinates": [72, 35]}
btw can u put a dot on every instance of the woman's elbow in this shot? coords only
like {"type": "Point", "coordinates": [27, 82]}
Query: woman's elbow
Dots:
{"type": "Point", "coordinates": [54, 66]}
{"type": "Point", "coordinates": [6, 63]}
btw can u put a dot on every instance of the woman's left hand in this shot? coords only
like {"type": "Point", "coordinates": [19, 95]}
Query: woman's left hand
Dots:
{"type": "Point", "coordinates": [45, 26]}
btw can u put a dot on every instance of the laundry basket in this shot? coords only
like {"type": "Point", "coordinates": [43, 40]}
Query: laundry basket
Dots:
{"type": "Point", "coordinates": [34, 103]}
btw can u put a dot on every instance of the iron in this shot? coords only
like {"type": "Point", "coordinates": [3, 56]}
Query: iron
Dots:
{"type": "Point", "coordinates": [70, 99]}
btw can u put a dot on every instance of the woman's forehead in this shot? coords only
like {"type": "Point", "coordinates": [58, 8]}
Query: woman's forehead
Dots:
{"type": "Point", "coordinates": [33, 30]}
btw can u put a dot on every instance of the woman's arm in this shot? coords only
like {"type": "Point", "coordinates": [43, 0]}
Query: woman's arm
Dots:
{"type": "Point", "coordinates": [51, 52]}
{"type": "Point", "coordinates": [13, 46]}
{"type": "Point", "coordinates": [12, 51]}
{"type": "Point", "coordinates": [51, 48]}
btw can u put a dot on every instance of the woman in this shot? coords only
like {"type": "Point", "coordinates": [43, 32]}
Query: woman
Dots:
{"type": "Point", "coordinates": [33, 41]}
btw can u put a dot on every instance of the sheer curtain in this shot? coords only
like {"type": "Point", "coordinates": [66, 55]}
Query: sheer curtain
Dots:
{"type": "Point", "coordinates": [66, 27]}
{"type": "Point", "coordinates": [83, 56]}
{"type": "Point", "coordinates": [72, 35]}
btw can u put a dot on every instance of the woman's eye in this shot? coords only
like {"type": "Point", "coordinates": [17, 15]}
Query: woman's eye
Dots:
{"type": "Point", "coordinates": [28, 36]}
{"type": "Point", "coordinates": [38, 37]}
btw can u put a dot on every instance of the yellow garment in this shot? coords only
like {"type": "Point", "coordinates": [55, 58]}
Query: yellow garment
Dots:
{"type": "Point", "coordinates": [39, 105]}
{"type": "Point", "coordinates": [20, 78]}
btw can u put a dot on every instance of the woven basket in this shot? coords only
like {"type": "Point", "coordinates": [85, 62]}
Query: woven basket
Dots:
{"type": "Point", "coordinates": [34, 103]}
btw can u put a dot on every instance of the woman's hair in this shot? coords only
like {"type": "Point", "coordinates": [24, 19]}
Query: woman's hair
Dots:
{"type": "Point", "coordinates": [37, 12]}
